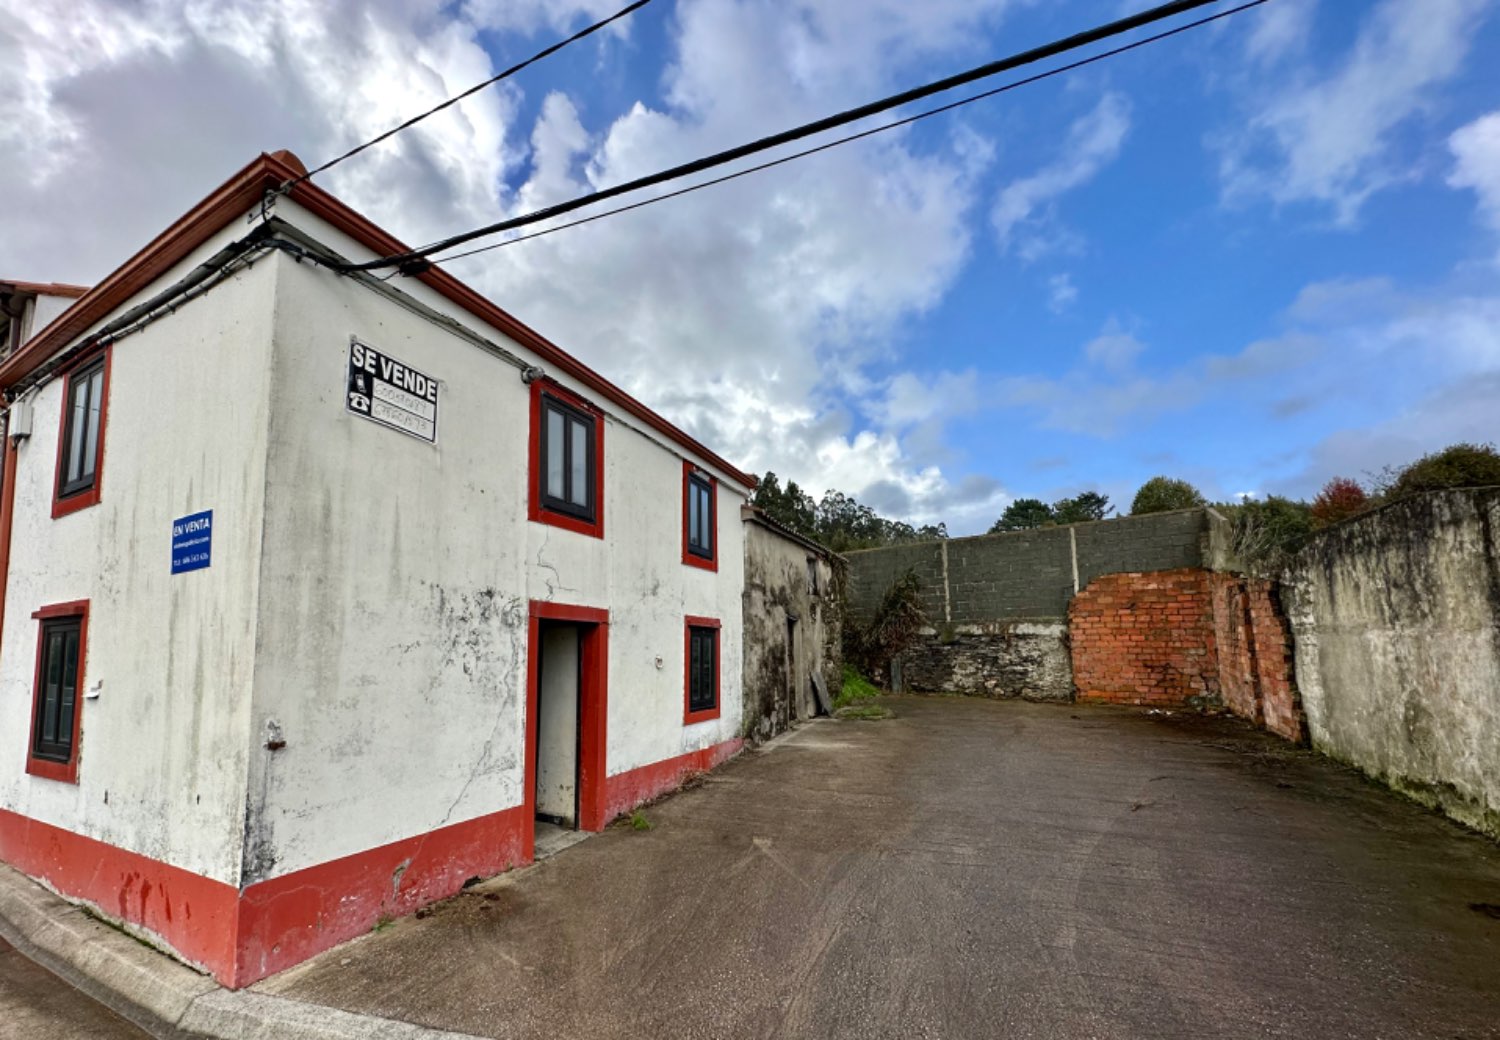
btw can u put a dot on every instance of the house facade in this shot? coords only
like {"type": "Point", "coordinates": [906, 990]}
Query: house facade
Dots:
{"type": "Point", "coordinates": [320, 591]}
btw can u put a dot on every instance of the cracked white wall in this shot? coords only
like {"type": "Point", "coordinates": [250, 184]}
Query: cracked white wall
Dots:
{"type": "Point", "coordinates": [391, 649]}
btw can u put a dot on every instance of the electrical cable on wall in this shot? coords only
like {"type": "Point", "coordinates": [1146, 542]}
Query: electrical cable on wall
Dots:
{"type": "Point", "coordinates": [416, 259]}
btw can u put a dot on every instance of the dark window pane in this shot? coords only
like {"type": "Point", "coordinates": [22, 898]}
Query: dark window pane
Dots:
{"type": "Point", "coordinates": [703, 644]}
{"type": "Point", "coordinates": [57, 700]}
{"type": "Point", "coordinates": [568, 460]}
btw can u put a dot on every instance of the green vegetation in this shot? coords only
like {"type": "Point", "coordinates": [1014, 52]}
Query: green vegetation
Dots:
{"type": "Point", "coordinates": [855, 688]}
{"type": "Point", "coordinates": [894, 626]}
{"type": "Point", "coordinates": [1164, 494]}
{"type": "Point", "coordinates": [838, 520]}
{"type": "Point", "coordinates": [1456, 466]}
{"type": "Point", "coordinates": [638, 821]}
{"type": "Point", "coordinates": [1027, 513]}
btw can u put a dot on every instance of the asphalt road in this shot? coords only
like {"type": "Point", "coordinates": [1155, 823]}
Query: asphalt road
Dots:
{"type": "Point", "coordinates": [37, 1005]}
{"type": "Point", "coordinates": [973, 869]}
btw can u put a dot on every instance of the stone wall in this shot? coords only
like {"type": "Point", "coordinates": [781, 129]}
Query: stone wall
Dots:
{"type": "Point", "coordinates": [1397, 622]}
{"type": "Point", "coordinates": [1026, 659]}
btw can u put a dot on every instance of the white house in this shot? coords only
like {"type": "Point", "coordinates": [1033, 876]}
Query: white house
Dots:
{"type": "Point", "coordinates": [317, 591]}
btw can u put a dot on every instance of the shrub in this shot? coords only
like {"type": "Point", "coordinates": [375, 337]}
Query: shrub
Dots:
{"type": "Point", "coordinates": [1340, 499]}
{"type": "Point", "coordinates": [893, 628]}
{"type": "Point", "coordinates": [1267, 533]}
{"type": "Point", "coordinates": [1022, 515]}
{"type": "Point", "coordinates": [1458, 465]}
{"type": "Point", "coordinates": [1163, 494]}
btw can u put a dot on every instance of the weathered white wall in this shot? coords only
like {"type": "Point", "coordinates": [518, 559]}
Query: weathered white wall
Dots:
{"type": "Point", "coordinates": [776, 587]}
{"type": "Point", "coordinates": [557, 724]}
{"type": "Point", "coordinates": [1396, 621]}
{"type": "Point", "coordinates": [42, 310]}
{"type": "Point", "coordinates": [397, 575]}
{"type": "Point", "coordinates": [163, 747]}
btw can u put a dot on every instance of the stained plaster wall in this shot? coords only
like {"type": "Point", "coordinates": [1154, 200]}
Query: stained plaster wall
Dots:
{"type": "Point", "coordinates": [1396, 620]}
{"type": "Point", "coordinates": [163, 746]}
{"type": "Point", "coordinates": [392, 642]}
{"type": "Point", "coordinates": [777, 677]}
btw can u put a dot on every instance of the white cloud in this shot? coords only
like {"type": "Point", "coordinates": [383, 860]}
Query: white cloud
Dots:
{"type": "Point", "coordinates": [746, 313]}
{"type": "Point", "coordinates": [1476, 151]}
{"type": "Point", "coordinates": [1279, 32]}
{"type": "Point", "coordinates": [1061, 293]}
{"type": "Point", "coordinates": [1021, 214]}
{"type": "Point", "coordinates": [1327, 137]}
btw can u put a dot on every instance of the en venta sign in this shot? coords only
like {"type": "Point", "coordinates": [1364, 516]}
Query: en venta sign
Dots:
{"type": "Point", "coordinates": [391, 393]}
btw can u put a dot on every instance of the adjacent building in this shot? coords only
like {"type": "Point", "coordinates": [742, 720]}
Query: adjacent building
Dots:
{"type": "Point", "coordinates": [318, 591]}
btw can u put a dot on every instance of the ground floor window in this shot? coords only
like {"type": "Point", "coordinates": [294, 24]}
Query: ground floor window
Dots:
{"type": "Point", "coordinates": [58, 691]}
{"type": "Point", "coordinates": [702, 693]}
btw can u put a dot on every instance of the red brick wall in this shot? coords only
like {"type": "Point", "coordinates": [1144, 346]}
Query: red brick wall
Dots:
{"type": "Point", "coordinates": [1183, 638]}
{"type": "Point", "coordinates": [1144, 639]}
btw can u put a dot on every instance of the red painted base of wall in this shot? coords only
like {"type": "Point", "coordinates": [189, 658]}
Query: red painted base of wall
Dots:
{"type": "Point", "coordinates": [624, 791]}
{"type": "Point", "coordinates": [241, 937]}
{"type": "Point", "coordinates": [287, 919]}
{"type": "Point", "coordinates": [192, 914]}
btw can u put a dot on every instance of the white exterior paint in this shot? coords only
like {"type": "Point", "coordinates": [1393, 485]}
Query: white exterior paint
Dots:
{"type": "Point", "coordinates": [417, 608]}
{"type": "Point", "coordinates": [163, 747]}
{"type": "Point", "coordinates": [367, 603]}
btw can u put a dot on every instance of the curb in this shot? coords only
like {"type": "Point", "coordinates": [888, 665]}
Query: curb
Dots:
{"type": "Point", "coordinates": [166, 999]}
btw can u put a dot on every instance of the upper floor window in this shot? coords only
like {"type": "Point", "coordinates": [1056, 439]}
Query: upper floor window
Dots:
{"type": "Point", "coordinates": [568, 441]}
{"type": "Point", "coordinates": [699, 518]}
{"type": "Point", "coordinates": [81, 450]}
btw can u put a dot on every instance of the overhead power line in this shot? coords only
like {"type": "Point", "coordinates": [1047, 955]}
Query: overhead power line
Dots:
{"type": "Point", "coordinates": [1091, 59]}
{"type": "Point", "coordinates": [416, 258]}
{"type": "Point", "coordinates": [455, 99]}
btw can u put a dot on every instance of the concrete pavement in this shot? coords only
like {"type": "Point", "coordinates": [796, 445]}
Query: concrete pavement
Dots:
{"type": "Point", "coordinates": [972, 869]}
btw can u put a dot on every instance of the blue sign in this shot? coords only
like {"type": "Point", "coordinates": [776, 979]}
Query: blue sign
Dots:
{"type": "Point", "coordinates": [192, 541]}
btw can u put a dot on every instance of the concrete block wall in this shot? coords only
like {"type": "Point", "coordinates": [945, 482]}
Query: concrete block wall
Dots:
{"type": "Point", "coordinates": [1026, 574]}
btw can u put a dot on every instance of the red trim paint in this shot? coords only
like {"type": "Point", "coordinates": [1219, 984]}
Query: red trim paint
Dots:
{"type": "Point", "coordinates": [242, 937]}
{"type": "Point", "coordinates": [629, 789]}
{"type": "Point", "coordinates": [536, 510]}
{"type": "Point", "coordinates": [84, 499]}
{"type": "Point", "coordinates": [7, 512]}
{"type": "Point", "coordinates": [692, 559]}
{"type": "Point", "coordinates": [192, 914]}
{"type": "Point", "coordinates": [593, 711]}
{"type": "Point", "coordinates": [66, 772]}
{"type": "Point", "coordinates": [285, 920]}
{"type": "Point", "coordinates": [688, 715]}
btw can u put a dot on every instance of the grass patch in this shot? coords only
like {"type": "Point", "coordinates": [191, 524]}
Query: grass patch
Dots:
{"type": "Point", "coordinates": [855, 688]}
{"type": "Point", "coordinates": [638, 821]}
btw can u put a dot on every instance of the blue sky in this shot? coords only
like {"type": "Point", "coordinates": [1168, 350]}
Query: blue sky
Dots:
{"type": "Point", "coordinates": [1255, 256]}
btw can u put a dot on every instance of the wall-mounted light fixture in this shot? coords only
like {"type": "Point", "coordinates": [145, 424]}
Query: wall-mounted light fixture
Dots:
{"type": "Point", "coordinates": [530, 374]}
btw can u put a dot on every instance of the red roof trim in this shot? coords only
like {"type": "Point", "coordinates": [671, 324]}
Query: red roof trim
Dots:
{"type": "Point", "coordinates": [234, 198]}
{"type": "Point", "coordinates": [43, 288]}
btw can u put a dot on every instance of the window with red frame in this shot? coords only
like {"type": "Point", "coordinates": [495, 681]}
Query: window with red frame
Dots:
{"type": "Point", "coordinates": [702, 693]}
{"type": "Point", "coordinates": [52, 750]}
{"type": "Point", "coordinates": [699, 521]}
{"type": "Point", "coordinates": [83, 427]}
